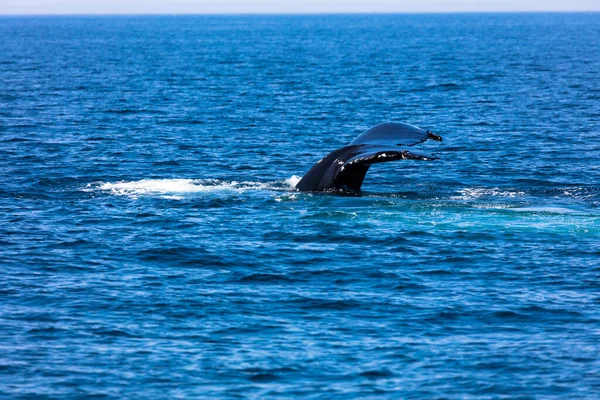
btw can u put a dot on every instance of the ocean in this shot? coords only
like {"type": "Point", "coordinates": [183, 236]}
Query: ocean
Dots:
{"type": "Point", "coordinates": [152, 243]}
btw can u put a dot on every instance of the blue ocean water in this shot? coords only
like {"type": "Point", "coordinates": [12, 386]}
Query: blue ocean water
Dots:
{"type": "Point", "coordinates": [152, 244]}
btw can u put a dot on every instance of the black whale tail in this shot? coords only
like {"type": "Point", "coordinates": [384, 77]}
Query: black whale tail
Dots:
{"type": "Point", "coordinates": [346, 168]}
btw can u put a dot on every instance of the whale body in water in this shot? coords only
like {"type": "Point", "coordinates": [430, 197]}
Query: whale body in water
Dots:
{"type": "Point", "coordinates": [346, 168]}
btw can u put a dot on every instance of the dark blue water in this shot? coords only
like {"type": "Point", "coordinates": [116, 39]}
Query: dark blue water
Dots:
{"type": "Point", "coordinates": [152, 244]}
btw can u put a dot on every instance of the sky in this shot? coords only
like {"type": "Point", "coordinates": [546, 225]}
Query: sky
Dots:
{"type": "Point", "coordinates": [284, 6]}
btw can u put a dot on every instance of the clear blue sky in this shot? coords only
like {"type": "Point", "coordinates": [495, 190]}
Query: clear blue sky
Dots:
{"type": "Point", "coordinates": [284, 6]}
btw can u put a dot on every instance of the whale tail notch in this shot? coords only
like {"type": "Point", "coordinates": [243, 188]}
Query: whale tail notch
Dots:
{"type": "Point", "coordinates": [347, 167]}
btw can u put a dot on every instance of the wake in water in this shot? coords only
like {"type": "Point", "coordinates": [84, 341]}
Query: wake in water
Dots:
{"type": "Point", "coordinates": [178, 188]}
{"type": "Point", "coordinates": [556, 201]}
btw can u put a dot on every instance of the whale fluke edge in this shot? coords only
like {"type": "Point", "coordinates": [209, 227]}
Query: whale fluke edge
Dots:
{"type": "Point", "coordinates": [346, 168]}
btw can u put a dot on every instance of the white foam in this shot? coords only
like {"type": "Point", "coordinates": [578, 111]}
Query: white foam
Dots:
{"type": "Point", "coordinates": [177, 188]}
{"type": "Point", "coordinates": [287, 197]}
{"type": "Point", "coordinates": [475, 193]}
{"type": "Point", "coordinates": [153, 186]}
{"type": "Point", "coordinates": [546, 209]}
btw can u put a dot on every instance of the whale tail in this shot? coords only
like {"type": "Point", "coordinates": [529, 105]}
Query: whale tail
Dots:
{"type": "Point", "coordinates": [346, 168]}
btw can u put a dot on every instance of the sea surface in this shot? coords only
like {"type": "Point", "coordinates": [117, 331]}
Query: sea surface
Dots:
{"type": "Point", "coordinates": [152, 244]}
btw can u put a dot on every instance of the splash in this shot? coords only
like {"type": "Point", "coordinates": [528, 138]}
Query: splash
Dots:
{"type": "Point", "coordinates": [292, 181]}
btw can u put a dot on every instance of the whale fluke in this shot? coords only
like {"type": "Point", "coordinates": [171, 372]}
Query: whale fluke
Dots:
{"type": "Point", "coordinates": [346, 168]}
